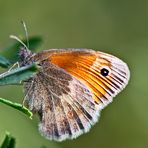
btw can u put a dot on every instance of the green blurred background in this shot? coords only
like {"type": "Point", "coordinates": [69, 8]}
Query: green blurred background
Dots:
{"type": "Point", "coordinates": [114, 26]}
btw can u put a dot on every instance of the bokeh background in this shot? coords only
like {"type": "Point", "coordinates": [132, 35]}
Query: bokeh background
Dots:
{"type": "Point", "coordinates": [114, 26]}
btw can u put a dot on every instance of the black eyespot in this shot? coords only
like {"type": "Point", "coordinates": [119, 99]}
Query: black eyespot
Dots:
{"type": "Point", "coordinates": [104, 72]}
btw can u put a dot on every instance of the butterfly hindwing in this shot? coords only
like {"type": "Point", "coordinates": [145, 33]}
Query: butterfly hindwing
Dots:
{"type": "Point", "coordinates": [65, 105]}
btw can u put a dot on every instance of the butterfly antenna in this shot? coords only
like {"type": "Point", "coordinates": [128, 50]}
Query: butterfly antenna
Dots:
{"type": "Point", "coordinates": [26, 32]}
{"type": "Point", "coordinates": [19, 40]}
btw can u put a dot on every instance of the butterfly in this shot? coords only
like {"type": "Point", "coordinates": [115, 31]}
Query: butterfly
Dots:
{"type": "Point", "coordinates": [70, 89]}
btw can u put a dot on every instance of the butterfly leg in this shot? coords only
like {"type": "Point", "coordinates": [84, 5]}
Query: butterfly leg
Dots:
{"type": "Point", "coordinates": [14, 65]}
{"type": "Point", "coordinates": [24, 99]}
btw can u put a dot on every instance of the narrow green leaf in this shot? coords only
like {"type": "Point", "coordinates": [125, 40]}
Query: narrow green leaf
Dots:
{"type": "Point", "coordinates": [9, 141]}
{"type": "Point", "coordinates": [11, 52]}
{"type": "Point", "coordinates": [17, 106]}
{"type": "Point", "coordinates": [6, 141]}
{"type": "Point", "coordinates": [4, 62]}
{"type": "Point", "coordinates": [19, 74]}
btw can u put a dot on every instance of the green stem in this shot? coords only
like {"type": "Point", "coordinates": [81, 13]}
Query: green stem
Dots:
{"type": "Point", "coordinates": [17, 106]}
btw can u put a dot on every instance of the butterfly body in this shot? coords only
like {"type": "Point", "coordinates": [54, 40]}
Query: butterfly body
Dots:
{"type": "Point", "coordinates": [71, 88]}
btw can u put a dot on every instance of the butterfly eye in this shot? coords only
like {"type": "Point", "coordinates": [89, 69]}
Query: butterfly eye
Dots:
{"type": "Point", "coordinates": [104, 71]}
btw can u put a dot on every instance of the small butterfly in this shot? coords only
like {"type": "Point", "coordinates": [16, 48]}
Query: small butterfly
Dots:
{"type": "Point", "coordinates": [71, 88]}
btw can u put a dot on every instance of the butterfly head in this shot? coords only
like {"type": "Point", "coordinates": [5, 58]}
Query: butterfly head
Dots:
{"type": "Point", "coordinates": [24, 56]}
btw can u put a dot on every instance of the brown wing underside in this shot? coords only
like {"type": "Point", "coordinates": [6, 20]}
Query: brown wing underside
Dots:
{"type": "Point", "coordinates": [64, 103]}
{"type": "Point", "coordinates": [70, 83]}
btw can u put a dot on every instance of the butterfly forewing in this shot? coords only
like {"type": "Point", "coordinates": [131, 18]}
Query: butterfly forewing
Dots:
{"type": "Point", "coordinates": [86, 66]}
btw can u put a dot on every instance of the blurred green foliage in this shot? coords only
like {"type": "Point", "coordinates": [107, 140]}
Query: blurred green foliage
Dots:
{"type": "Point", "coordinates": [117, 27]}
{"type": "Point", "coordinates": [4, 62]}
{"type": "Point", "coordinates": [9, 141]}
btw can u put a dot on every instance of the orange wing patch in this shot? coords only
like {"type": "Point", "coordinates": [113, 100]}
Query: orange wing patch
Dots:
{"type": "Point", "coordinates": [84, 66]}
